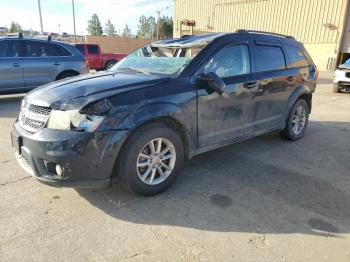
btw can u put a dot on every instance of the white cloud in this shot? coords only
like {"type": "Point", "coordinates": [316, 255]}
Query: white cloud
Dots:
{"type": "Point", "coordinates": [120, 12]}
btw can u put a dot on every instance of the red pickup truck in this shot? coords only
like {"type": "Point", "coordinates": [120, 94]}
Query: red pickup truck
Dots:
{"type": "Point", "coordinates": [96, 60]}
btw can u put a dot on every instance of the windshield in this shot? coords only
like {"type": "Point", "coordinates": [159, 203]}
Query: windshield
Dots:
{"type": "Point", "coordinates": [169, 61]}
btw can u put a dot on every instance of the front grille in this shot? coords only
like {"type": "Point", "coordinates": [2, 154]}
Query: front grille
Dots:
{"type": "Point", "coordinates": [42, 110]}
{"type": "Point", "coordinates": [33, 123]}
{"type": "Point", "coordinates": [34, 117]}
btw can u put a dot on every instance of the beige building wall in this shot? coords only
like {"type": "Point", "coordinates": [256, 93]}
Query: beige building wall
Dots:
{"type": "Point", "coordinates": [303, 19]}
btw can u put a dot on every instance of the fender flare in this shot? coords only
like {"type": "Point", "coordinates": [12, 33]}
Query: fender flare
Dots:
{"type": "Point", "coordinates": [163, 110]}
{"type": "Point", "coordinates": [297, 93]}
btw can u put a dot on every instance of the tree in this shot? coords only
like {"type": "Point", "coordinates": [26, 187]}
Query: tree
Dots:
{"type": "Point", "coordinates": [94, 26]}
{"type": "Point", "coordinates": [165, 27]}
{"type": "Point", "coordinates": [15, 27]}
{"type": "Point", "coordinates": [146, 27]}
{"type": "Point", "coordinates": [110, 29]}
{"type": "Point", "coordinates": [126, 31]}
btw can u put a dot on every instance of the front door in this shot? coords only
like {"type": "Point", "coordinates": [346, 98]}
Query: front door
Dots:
{"type": "Point", "coordinates": [227, 116]}
{"type": "Point", "coordinates": [94, 57]}
{"type": "Point", "coordinates": [11, 65]}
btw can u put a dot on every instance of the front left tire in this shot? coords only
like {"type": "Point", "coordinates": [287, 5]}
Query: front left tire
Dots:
{"type": "Point", "coordinates": [151, 159]}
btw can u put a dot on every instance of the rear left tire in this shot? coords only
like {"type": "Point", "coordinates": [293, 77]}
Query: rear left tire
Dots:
{"type": "Point", "coordinates": [297, 121]}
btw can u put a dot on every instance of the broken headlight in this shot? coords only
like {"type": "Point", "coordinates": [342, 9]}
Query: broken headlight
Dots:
{"type": "Point", "coordinates": [87, 119]}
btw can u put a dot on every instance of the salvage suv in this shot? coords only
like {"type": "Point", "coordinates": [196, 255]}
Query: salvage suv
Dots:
{"type": "Point", "coordinates": [166, 102]}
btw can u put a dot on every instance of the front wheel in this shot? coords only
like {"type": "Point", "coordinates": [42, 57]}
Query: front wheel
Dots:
{"type": "Point", "coordinates": [297, 121]}
{"type": "Point", "coordinates": [151, 159]}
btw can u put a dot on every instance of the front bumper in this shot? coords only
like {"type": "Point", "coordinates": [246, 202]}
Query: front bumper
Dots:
{"type": "Point", "coordinates": [87, 159]}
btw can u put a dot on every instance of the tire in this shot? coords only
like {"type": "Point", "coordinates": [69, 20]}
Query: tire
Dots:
{"type": "Point", "coordinates": [109, 64]}
{"type": "Point", "coordinates": [291, 131]}
{"type": "Point", "coordinates": [130, 157]}
{"type": "Point", "coordinates": [64, 75]}
{"type": "Point", "coordinates": [336, 88]}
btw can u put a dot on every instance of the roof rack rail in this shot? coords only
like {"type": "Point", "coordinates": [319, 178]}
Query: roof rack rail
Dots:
{"type": "Point", "coordinates": [263, 32]}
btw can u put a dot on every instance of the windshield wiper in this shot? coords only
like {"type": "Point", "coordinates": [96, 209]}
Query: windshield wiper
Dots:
{"type": "Point", "coordinates": [135, 70]}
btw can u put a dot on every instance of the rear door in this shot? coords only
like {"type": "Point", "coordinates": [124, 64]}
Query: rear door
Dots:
{"type": "Point", "coordinates": [227, 116]}
{"type": "Point", "coordinates": [275, 85]}
{"type": "Point", "coordinates": [11, 65]}
{"type": "Point", "coordinates": [42, 63]}
{"type": "Point", "coordinates": [94, 57]}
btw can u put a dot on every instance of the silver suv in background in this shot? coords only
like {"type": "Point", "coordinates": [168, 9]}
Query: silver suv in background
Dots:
{"type": "Point", "coordinates": [26, 63]}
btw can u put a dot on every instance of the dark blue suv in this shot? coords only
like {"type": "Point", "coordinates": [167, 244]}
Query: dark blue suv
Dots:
{"type": "Point", "coordinates": [166, 102]}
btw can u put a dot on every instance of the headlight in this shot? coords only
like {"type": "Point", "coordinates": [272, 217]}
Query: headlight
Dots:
{"type": "Point", "coordinates": [87, 119]}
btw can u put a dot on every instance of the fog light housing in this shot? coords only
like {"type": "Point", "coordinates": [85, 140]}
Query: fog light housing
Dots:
{"type": "Point", "coordinates": [59, 170]}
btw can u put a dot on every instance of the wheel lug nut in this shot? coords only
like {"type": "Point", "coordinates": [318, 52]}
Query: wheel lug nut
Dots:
{"type": "Point", "coordinates": [159, 164]}
{"type": "Point", "coordinates": [153, 167]}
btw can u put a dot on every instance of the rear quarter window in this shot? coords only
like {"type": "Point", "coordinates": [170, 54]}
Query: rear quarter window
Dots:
{"type": "Point", "coordinates": [269, 58]}
{"type": "Point", "coordinates": [296, 57]}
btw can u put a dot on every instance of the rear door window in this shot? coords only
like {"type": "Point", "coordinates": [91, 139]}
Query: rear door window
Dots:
{"type": "Point", "coordinates": [92, 49]}
{"type": "Point", "coordinates": [296, 57]}
{"type": "Point", "coordinates": [269, 58]}
{"type": "Point", "coordinates": [10, 48]}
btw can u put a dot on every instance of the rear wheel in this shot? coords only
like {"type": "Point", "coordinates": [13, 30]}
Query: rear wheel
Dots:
{"type": "Point", "coordinates": [110, 64]}
{"type": "Point", "coordinates": [336, 88]}
{"type": "Point", "coordinates": [151, 159]}
{"type": "Point", "coordinates": [297, 121]}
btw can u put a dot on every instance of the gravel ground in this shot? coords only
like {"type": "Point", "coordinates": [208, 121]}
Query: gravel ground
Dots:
{"type": "Point", "coordinates": [265, 199]}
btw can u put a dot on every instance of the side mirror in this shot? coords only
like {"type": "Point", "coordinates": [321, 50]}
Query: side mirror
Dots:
{"type": "Point", "coordinates": [213, 81]}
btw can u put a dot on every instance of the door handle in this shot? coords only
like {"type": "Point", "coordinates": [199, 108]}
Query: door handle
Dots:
{"type": "Point", "coordinates": [16, 65]}
{"type": "Point", "coordinates": [56, 64]}
{"type": "Point", "coordinates": [290, 78]}
{"type": "Point", "coordinates": [250, 84]}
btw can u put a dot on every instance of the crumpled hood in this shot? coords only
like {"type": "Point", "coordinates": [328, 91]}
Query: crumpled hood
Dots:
{"type": "Point", "coordinates": [74, 93]}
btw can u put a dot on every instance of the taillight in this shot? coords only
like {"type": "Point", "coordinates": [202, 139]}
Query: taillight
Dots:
{"type": "Point", "coordinates": [87, 63]}
{"type": "Point", "coordinates": [317, 73]}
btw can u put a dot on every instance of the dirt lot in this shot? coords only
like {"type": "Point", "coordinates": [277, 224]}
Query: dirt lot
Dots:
{"type": "Point", "coordinates": [261, 200]}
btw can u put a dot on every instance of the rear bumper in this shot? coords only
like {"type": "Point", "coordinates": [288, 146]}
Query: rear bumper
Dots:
{"type": "Point", "coordinates": [86, 159]}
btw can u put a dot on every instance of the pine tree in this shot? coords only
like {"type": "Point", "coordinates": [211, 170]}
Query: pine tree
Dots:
{"type": "Point", "coordinates": [110, 29]}
{"type": "Point", "coordinates": [94, 26]}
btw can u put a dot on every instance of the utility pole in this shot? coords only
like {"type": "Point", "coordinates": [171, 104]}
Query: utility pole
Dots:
{"type": "Point", "coordinates": [75, 34]}
{"type": "Point", "coordinates": [158, 17]}
{"type": "Point", "coordinates": [59, 29]}
{"type": "Point", "coordinates": [41, 19]}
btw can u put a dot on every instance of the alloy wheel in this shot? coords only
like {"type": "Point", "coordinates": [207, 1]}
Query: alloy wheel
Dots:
{"type": "Point", "coordinates": [156, 161]}
{"type": "Point", "coordinates": [299, 120]}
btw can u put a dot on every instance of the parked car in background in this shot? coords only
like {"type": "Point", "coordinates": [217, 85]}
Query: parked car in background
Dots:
{"type": "Point", "coordinates": [96, 59]}
{"type": "Point", "coordinates": [26, 63]}
{"type": "Point", "coordinates": [341, 81]}
{"type": "Point", "coordinates": [166, 102]}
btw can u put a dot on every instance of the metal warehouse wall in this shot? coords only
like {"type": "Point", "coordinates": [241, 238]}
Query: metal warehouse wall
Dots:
{"type": "Point", "coordinates": [303, 19]}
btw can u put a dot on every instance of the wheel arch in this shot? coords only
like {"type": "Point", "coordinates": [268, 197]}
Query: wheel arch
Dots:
{"type": "Point", "coordinates": [171, 115]}
{"type": "Point", "coordinates": [67, 71]}
{"type": "Point", "coordinates": [300, 92]}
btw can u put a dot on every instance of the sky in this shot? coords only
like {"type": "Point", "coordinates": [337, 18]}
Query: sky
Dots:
{"type": "Point", "coordinates": [55, 12]}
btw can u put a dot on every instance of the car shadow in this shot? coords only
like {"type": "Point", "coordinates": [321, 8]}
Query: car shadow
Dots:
{"type": "Point", "coordinates": [10, 105]}
{"type": "Point", "coordinates": [254, 186]}
{"type": "Point", "coordinates": [324, 81]}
